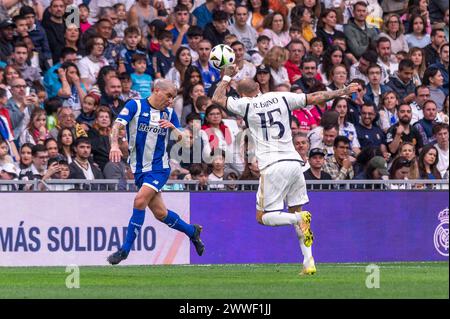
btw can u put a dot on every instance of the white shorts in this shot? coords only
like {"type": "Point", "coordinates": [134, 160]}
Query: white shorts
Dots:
{"type": "Point", "coordinates": [279, 182]}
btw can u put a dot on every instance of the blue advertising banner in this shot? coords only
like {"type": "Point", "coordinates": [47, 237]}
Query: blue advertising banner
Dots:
{"type": "Point", "coordinates": [347, 226]}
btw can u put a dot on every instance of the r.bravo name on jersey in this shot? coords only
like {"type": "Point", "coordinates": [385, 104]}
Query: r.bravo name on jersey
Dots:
{"type": "Point", "coordinates": [264, 104]}
{"type": "Point", "coordinates": [152, 129]}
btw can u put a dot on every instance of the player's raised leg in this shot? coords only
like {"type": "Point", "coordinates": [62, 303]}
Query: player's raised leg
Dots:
{"type": "Point", "coordinates": [143, 197]}
{"type": "Point", "coordinates": [173, 220]}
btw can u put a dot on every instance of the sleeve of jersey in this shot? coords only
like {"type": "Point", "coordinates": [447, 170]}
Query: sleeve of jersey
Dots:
{"type": "Point", "coordinates": [237, 105]}
{"type": "Point", "coordinates": [127, 113]}
{"type": "Point", "coordinates": [295, 101]}
{"type": "Point", "coordinates": [174, 120]}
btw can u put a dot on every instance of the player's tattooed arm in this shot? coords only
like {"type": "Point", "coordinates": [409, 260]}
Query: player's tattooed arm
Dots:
{"type": "Point", "coordinates": [324, 96]}
{"type": "Point", "coordinates": [220, 94]}
{"type": "Point", "coordinates": [115, 155]}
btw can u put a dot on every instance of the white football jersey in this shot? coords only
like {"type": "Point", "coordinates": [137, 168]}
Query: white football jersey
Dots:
{"type": "Point", "coordinates": [268, 117]}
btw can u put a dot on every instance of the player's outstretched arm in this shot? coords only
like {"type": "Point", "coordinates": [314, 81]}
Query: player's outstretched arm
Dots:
{"type": "Point", "coordinates": [324, 96]}
{"type": "Point", "coordinates": [220, 94]}
{"type": "Point", "coordinates": [115, 155]}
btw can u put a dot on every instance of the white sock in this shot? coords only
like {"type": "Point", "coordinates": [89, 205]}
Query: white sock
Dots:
{"type": "Point", "coordinates": [306, 251]}
{"type": "Point", "coordinates": [280, 219]}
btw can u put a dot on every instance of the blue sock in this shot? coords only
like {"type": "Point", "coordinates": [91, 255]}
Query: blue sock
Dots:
{"type": "Point", "coordinates": [134, 227]}
{"type": "Point", "coordinates": [174, 221]}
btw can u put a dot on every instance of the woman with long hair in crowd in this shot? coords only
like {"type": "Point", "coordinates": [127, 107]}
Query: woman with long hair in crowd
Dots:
{"type": "Point", "coordinates": [104, 75]}
{"type": "Point", "coordinates": [12, 72]}
{"type": "Point", "coordinates": [334, 55]}
{"type": "Point", "coordinates": [65, 144]}
{"type": "Point", "coordinates": [276, 28]}
{"type": "Point", "coordinates": [326, 27]}
{"type": "Point", "coordinates": [99, 136]}
{"type": "Point", "coordinates": [428, 160]}
{"type": "Point", "coordinates": [36, 131]}
{"type": "Point", "coordinates": [408, 151]}
{"type": "Point", "coordinates": [176, 74]}
{"type": "Point", "coordinates": [417, 36]}
{"type": "Point", "coordinates": [274, 60]}
{"type": "Point", "coordinates": [195, 92]}
{"type": "Point", "coordinates": [258, 10]}
{"type": "Point", "coordinates": [26, 158]}
{"type": "Point", "coordinates": [264, 78]}
{"type": "Point", "coordinates": [346, 128]}
{"type": "Point", "coordinates": [303, 18]}
{"type": "Point", "coordinates": [393, 30]}
{"type": "Point", "coordinates": [72, 37]}
{"type": "Point", "coordinates": [399, 170]}
{"type": "Point", "coordinates": [417, 56]}
{"type": "Point", "coordinates": [338, 77]}
{"type": "Point", "coordinates": [388, 110]}
{"type": "Point", "coordinates": [72, 89]}
{"type": "Point", "coordinates": [91, 64]}
{"type": "Point", "coordinates": [215, 134]}
{"type": "Point", "coordinates": [434, 80]}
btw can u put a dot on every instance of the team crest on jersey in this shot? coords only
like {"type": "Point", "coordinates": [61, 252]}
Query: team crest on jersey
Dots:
{"type": "Point", "coordinates": [124, 111]}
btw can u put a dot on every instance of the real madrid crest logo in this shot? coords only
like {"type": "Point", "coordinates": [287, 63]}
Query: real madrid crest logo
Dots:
{"type": "Point", "coordinates": [441, 234]}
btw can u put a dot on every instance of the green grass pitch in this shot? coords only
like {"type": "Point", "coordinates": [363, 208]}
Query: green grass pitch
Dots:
{"type": "Point", "coordinates": [254, 281]}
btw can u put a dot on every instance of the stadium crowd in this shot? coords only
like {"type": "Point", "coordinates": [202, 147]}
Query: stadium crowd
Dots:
{"type": "Point", "coordinates": [63, 83]}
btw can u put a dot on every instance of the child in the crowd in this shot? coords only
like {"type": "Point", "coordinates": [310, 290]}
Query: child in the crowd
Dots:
{"type": "Point", "coordinates": [164, 59]}
{"type": "Point", "coordinates": [51, 107]}
{"type": "Point", "coordinates": [317, 48]}
{"type": "Point", "coordinates": [121, 24]}
{"type": "Point", "coordinates": [4, 153]}
{"type": "Point", "coordinates": [88, 107]}
{"type": "Point", "coordinates": [141, 81]}
{"type": "Point", "coordinates": [84, 12]}
{"type": "Point", "coordinates": [132, 39]}
{"type": "Point", "coordinates": [127, 92]}
{"type": "Point", "coordinates": [259, 52]}
{"type": "Point", "coordinates": [296, 34]}
{"type": "Point", "coordinates": [154, 29]}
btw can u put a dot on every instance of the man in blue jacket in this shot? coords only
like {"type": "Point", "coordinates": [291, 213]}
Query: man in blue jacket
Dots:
{"type": "Point", "coordinates": [401, 82]}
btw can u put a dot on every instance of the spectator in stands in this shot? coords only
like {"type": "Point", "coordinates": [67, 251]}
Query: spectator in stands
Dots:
{"type": "Point", "coordinates": [316, 162]}
{"type": "Point", "coordinates": [99, 136]}
{"type": "Point", "coordinates": [251, 173]}
{"type": "Point", "coordinates": [443, 65]}
{"type": "Point", "coordinates": [55, 28]}
{"type": "Point", "coordinates": [400, 170]}
{"type": "Point", "coordinates": [141, 81]}
{"type": "Point", "coordinates": [308, 68]}
{"type": "Point", "coordinates": [296, 52]}
{"type": "Point", "coordinates": [258, 10]}
{"type": "Point", "coordinates": [87, 115]}
{"type": "Point", "coordinates": [26, 158]}
{"type": "Point", "coordinates": [163, 59]}
{"type": "Point", "coordinates": [422, 93]}
{"type": "Point", "coordinates": [127, 92]}
{"type": "Point", "coordinates": [425, 125]}
{"type": "Point", "coordinates": [374, 89]}
{"type": "Point", "coordinates": [376, 169]}
{"type": "Point", "coordinates": [393, 30]}
{"type": "Point", "coordinates": [417, 36]}
{"type": "Point", "coordinates": [204, 12]}
{"type": "Point", "coordinates": [90, 65]}
{"type": "Point", "coordinates": [111, 97]}
{"type": "Point", "coordinates": [346, 128]}
{"type": "Point", "coordinates": [428, 162]}
{"type": "Point", "coordinates": [51, 81]}
{"type": "Point", "coordinates": [339, 77]}
{"type": "Point", "coordinates": [333, 56]}
{"type": "Point", "coordinates": [301, 145]}
{"type": "Point", "coordinates": [176, 74]}
{"type": "Point", "coordinates": [215, 134]}
{"type": "Point", "coordinates": [244, 31]}
{"type": "Point", "coordinates": [403, 131]}
{"type": "Point", "coordinates": [65, 144]}
{"type": "Point", "coordinates": [36, 131]}
{"type": "Point", "coordinates": [265, 79]}
{"type": "Point", "coordinates": [358, 34]}
{"type": "Point", "coordinates": [328, 122]}
{"type": "Point", "coordinates": [416, 55]}
{"type": "Point", "coordinates": [339, 165]}
{"type": "Point", "coordinates": [388, 110]}
{"type": "Point", "coordinates": [6, 39]}
{"type": "Point", "coordinates": [198, 172]}
{"type": "Point", "coordinates": [369, 134]}
{"type": "Point", "coordinates": [216, 30]}
{"type": "Point", "coordinates": [119, 170]}
{"type": "Point", "coordinates": [19, 58]}
{"type": "Point", "coordinates": [386, 59]}
{"type": "Point", "coordinates": [275, 60]}
{"type": "Point", "coordinates": [180, 26]}
{"type": "Point", "coordinates": [131, 46]}
{"type": "Point", "coordinates": [218, 171]}
{"type": "Point", "coordinates": [302, 18]}
{"type": "Point", "coordinates": [276, 28]}
{"type": "Point", "coordinates": [11, 72]}
{"type": "Point", "coordinates": [195, 92]}
{"type": "Point", "coordinates": [440, 132]}
{"type": "Point", "coordinates": [326, 27]}
{"type": "Point", "coordinates": [20, 106]}
{"type": "Point", "coordinates": [402, 81]}
{"type": "Point", "coordinates": [38, 169]}
{"type": "Point", "coordinates": [52, 147]}
{"type": "Point", "coordinates": [72, 90]}
{"type": "Point", "coordinates": [4, 153]}
{"type": "Point", "coordinates": [245, 68]}
{"type": "Point", "coordinates": [82, 167]}
{"type": "Point", "coordinates": [66, 119]}
{"type": "Point", "coordinates": [360, 70]}
{"type": "Point", "coordinates": [408, 151]}
{"type": "Point", "coordinates": [432, 50]}
{"type": "Point", "coordinates": [434, 80]}
{"type": "Point", "coordinates": [209, 74]}
{"type": "Point", "coordinates": [8, 172]}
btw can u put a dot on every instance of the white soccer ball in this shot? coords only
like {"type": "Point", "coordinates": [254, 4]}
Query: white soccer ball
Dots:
{"type": "Point", "coordinates": [222, 55]}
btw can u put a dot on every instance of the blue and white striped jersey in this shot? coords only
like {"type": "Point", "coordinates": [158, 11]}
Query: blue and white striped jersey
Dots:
{"type": "Point", "coordinates": [147, 141]}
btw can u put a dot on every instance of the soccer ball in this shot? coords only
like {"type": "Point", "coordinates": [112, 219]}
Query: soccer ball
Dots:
{"type": "Point", "coordinates": [221, 55]}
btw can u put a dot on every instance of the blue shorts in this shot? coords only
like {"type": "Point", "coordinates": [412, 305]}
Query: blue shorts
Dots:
{"type": "Point", "coordinates": [155, 179]}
